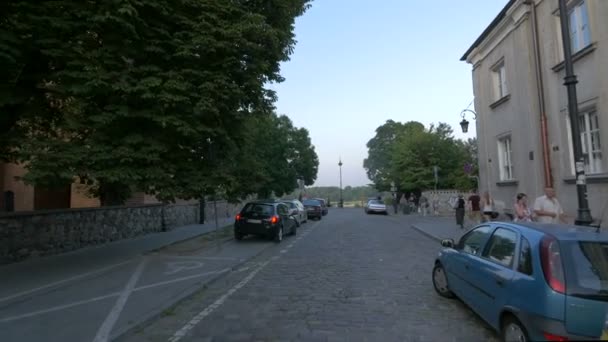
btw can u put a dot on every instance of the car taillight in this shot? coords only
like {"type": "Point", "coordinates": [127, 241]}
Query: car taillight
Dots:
{"type": "Point", "coordinates": [551, 261]}
{"type": "Point", "coordinates": [238, 217]}
{"type": "Point", "coordinates": [274, 219]}
{"type": "Point", "coordinates": [551, 337]}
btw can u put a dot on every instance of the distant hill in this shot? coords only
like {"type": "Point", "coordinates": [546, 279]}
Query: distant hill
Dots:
{"type": "Point", "coordinates": [349, 193]}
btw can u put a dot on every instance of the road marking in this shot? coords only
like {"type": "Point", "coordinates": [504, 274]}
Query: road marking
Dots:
{"type": "Point", "coordinates": [283, 251]}
{"type": "Point", "coordinates": [109, 295]}
{"type": "Point", "coordinates": [178, 266]}
{"type": "Point", "coordinates": [208, 310]}
{"type": "Point", "coordinates": [83, 275]}
{"type": "Point", "coordinates": [290, 245]}
{"type": "Point", "coordinates": [57, 308]}
{"type": "Point", "coordinates": [197, 257]}
{"type": "Point", "coordinates": [103, 334]}
{"type": "Point", "coordinates": [176, 280]}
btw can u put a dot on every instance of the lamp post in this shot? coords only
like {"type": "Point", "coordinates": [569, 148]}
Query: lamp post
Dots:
{"type": "Point", "coordinates": [464, 124]}
{"type": "Point", "coordinates": [341, 200]}
{"type": "Point", "coordinates": [583, 216]}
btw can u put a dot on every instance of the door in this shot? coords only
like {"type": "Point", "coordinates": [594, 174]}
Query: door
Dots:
{"type": "Point", "coordinates": [286, 218]}
{"type": "Point", "coordinates": [493, 273]}
{"type": "Point", "coordinates": [459, 267]}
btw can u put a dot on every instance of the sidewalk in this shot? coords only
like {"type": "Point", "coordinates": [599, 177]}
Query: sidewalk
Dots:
{"type": "Point", "coordinates": [440, 227]}
{"type": "Point", "coordinates": [20, 279]}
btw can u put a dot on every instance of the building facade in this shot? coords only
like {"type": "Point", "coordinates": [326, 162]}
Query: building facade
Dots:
{"type": "Point", "coordinates": [523, 127]}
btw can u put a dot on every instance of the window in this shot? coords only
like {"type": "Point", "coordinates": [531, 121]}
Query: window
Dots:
{"type": "Point", "coordinates": [580, 35]}
{"type": "Point", "coordinates": [525, 257]}
{"type": "Point", "coordinates": [499, 79]}
{"type": "Point", "coordinates": [504, 159]}
{"type": "Point", "coordinates": [474, 240]}
{"type": "Point", "coordinates": [590, 139]}
{"type": "Point", "coordinates": [502, 247]}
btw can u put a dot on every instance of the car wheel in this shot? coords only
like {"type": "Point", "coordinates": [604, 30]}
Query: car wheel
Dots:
{"type": "Point", "coordinates": [294, 230]}
{"type": "Point", "coordinates": [513, 331]}
{"type": "Point", "coordinates": [440, 282]}
{"type": "Point", "coordinates": [297, 222]}
{"type": "Point", "coordinates": [238, 236]}
{"type": "Point", "coordinates": [279, 235]}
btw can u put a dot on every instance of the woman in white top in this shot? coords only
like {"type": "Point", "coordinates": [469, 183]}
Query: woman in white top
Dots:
{"type": "Point", "coordinates": [487, 206]}
{"type": "Point", "coordinates": [522, 212]}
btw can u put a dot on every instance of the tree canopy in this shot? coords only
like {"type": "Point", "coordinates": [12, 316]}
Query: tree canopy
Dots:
{"type": "Point", "coordinates": [406, 153]}
{"type": "Point", "coordinates": [165, 97]}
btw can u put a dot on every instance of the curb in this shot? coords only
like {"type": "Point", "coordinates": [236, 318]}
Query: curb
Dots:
{"type": "Point", "coordinates": [425, 233]}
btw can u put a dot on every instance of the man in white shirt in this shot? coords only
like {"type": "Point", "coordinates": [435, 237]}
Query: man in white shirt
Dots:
{"type": "Point", "coordinates": [548, 209]}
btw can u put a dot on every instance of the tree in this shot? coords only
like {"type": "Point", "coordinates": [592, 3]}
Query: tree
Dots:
{"type": "Point", "coordinates": [379, 163]}
{"type": "Point", "coordinates": [139, 95]}
{"type": "Point", "coordinates": [409, 156]}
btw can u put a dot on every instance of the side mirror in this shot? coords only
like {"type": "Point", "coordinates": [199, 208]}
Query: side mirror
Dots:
{"type": "Point", "coordinates": [447, 243]}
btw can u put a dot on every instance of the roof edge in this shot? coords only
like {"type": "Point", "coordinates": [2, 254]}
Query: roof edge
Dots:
{"type": "Point", "coordinates": [501, 15]}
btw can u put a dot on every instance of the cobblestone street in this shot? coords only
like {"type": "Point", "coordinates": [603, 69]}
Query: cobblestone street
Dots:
{"type": "Point", "coordinates": [347, 277]}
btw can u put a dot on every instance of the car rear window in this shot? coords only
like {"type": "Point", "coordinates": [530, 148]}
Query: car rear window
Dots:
{"type": "Point", "coordinates": [586, 266]}
{"type": "Point", "coordinates": [312, 202]}
{"type": "Point", "coordinates": [375, 202]}
{"type": "Point", "coordinates": [260, 209]}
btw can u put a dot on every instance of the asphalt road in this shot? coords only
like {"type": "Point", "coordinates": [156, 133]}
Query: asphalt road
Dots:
{"type": "Point", "coordinates": [349, 277]}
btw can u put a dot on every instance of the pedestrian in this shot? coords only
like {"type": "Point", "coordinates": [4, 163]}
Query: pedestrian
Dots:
{"type": "Point", "coordinates": [460, 204]}
{"type": "Point", "coordinates": [402, 203]}
{"type": "Point", "coordinates": [548, 209]}
{"type": "Point", "coordinates": [424, 205]}
{"type": "Point", "coordinates": [522, 212]}
{"type": "Point", "coordinates": [474, 201]}
{"type": "Point", "coordinates": [487, 203]}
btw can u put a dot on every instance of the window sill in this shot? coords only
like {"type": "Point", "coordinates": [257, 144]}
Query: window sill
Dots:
{"type": "Point", "coordinates": [577, 56]}
{"type": "Point", "coordinates": [511, 182]}
{"type": "Point", "coordinates": [596, 178]}
{"type": "Point", "coordinates": [500, 101]}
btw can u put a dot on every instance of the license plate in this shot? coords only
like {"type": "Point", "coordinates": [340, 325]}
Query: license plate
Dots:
{"type": "Point", "coordinates": [254, 221]}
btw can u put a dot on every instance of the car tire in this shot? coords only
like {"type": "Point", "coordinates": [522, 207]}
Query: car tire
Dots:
{"type": "Point", "coordinates": [440, 282]}
{"type": "Point", "coordinates": [238, 236]}
{"type": "Point", "coordinates": [294, 230]}
{"type": "Point", "coordinates": [512, 330]}
{"type": "Point", "coordinates": [278, 237]}
{"type": "Point", "coordinates": [298, 223]}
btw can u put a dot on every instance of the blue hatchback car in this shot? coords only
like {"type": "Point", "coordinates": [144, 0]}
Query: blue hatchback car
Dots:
{"type": "Point", "coordinates": [530, 281]}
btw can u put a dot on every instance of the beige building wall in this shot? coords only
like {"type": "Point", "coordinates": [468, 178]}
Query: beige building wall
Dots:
{"type": "Point", "coordinates": [24, 194]}
{"type": "Point", "coordinates": [80, 198]}
{"type": "Point", "coordinates": [519, 115]}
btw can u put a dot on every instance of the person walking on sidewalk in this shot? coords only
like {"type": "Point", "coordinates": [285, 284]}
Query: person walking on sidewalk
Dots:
{"type": "Point", "coordinates": [522, 212]}
{"type": "Point", "coordinates": [487, 204]}
{"type": "Point", "coordinates": [424, 205]}
{"type": "Point", "coordinates": [460, 204]}
{"type": "Point", "coordinates": [474, 201]}
{"type": "Point", "coordinates": [548, 209]}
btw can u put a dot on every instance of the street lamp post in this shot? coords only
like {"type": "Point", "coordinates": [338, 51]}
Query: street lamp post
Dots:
{"type": "Point", "coordinates": [583, 216]}
{"type": "Point", "coordinates": [341, 200]}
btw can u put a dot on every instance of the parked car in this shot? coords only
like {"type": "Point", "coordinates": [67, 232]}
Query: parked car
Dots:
{"type": "Point", "coordinates": [323, 205]}
{"type": "Point", "coordinates": [530, 281]}
{"type": "Point", "coordinates": [314, 208]}
{"type": "Point", "coordinates": [375, 206]}
{"type": "Point", "coordinates": [265, 218]}
{"type": "Point", "coordinates": [296, 208]}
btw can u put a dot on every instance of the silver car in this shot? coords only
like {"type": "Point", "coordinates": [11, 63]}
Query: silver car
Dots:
{"type": "Point", "coordinates": [375, 206]}
{"type": "Point", "coordinates": [296, 208]}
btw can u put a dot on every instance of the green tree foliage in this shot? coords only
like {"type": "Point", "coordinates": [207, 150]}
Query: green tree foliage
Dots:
{"type": "Point", "coordinates": [406, 154]}
{"type": "Point", "coordinates": [156, 96]}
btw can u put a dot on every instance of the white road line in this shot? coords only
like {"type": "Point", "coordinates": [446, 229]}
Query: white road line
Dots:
{"type": "Point", "coordinates": [208, 310]}
{"type": "Point", "coordinates": [176, 280]}
{"type": "Point", "coordinates": [83, 275]}
{"type": "Point", "coordinates": [57, 308]}
{"type": "Point", "coordinates": [103, 334]}
{"type": "Point", "coordinates": [196, 257]}
{"type": "Point", "coordinates": [283, 251]}
{"type": "Point", "coordinates": [106, 296]}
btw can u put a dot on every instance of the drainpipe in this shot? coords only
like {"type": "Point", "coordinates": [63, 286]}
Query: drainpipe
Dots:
{"type": "Point", "coordinates": [544, 134]}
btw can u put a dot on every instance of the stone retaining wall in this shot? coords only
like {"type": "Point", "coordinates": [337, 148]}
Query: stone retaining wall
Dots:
{"type": "Point", "coordinates": [31, 234]}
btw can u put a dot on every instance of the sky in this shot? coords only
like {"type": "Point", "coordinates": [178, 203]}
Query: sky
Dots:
{"type": "Point", "coordinates": [359, 63]}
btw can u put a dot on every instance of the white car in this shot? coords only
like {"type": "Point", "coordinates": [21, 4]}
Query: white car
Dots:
{"type": "Point", "coordinates": [375, 206]}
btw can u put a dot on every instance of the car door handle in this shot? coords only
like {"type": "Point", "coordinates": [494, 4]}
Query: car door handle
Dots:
{"type": "Point", "coordinates": [466, 266]}
{"type": "Point", "coordinates": [500, 280]}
